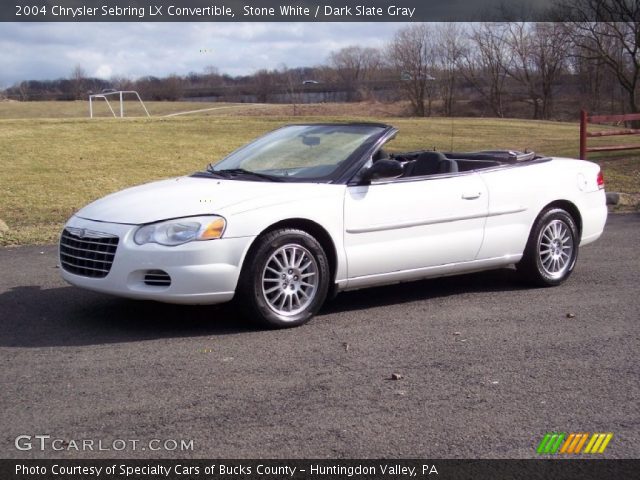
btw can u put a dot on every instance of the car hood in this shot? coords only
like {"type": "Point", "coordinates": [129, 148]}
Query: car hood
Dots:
{"type": "Point", "coordinates": [189, 196]}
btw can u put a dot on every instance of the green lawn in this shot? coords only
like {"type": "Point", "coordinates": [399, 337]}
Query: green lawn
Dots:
{"type": "Point", "coordinates": [52, 167]}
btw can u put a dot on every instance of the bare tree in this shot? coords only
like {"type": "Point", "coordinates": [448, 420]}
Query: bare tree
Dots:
{"type": "Point", "coordinates": [23, 90]}
{"type": "Point", "coordinates": [172, 87]}
{"type": "Point", "coordinates": [613, 40]}
{"type": "Point", "coordinates": [551, 47]}
{"type": "Point", "coordinates": [449, 51]}
{"type": "Point", "coordinates": [593, 80]}
{"type": "Point", "coordinates": [412, 53]}
{"type": "Point", "coordinates": [168, 88]}
{"type": "Point", "coordinates": [212, 76]}
{"type": "Point", "coordinates": [538, 54]}
{"type": "Point", "coordinates": [78, 81]}
{"type": "Point", "coordinates": [264, 83]}
{"type": "Point", "coordinates": [292, 80]}
{"type": "Point", "coordinates": [121, 83]}
{"type": "Point", "coordinates": [482, 64]}
{"type": "Point", "coordinates": [325, 74]}
{"type": "Point", "coordinates": [353, 66]}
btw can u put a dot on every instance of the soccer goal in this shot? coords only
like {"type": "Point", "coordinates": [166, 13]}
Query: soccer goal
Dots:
{"type": "Point", "coordinates": [119, 94]}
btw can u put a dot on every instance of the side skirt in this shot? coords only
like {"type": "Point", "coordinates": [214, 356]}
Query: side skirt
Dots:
{"type": "Point", "coordinates": [427, 272]}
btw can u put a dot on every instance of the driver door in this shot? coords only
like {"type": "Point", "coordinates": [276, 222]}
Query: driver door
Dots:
{"type": "Point", "coordinates": [410, 224]}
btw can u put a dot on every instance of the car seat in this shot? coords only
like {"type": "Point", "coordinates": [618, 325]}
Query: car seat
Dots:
{"type": "Point", "coordinates": [431, 163]}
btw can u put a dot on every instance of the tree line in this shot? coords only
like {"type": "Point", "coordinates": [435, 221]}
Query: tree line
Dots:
{"type": "Point", "coordinates": [540, 70]}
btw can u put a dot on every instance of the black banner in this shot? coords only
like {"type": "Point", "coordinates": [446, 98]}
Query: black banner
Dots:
{"type": "Point", "coordinates": [317, 469]}
{"type": "Point", "coordinates": [309, 10]}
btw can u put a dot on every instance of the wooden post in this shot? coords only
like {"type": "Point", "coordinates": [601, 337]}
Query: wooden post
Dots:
{"type": "Point", "coordinates": [583, 135]}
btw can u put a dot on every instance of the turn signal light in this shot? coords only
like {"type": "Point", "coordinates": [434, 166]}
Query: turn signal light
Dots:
{"type": "Point", "coordinates": [213, 230]}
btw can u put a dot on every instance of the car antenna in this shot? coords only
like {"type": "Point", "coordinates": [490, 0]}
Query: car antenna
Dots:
{"type": "Point", "coordinates": [451, 150]}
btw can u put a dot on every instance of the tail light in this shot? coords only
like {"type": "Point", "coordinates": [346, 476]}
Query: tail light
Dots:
{"type": "Point", "coordinates": [600, 180]}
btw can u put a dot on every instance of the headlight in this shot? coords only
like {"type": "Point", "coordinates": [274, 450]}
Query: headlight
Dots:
{"type": "Point", "coordinates": [181, 230]}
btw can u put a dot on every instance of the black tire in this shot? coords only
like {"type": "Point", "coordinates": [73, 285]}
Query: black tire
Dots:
{"type": "Point", "coordinates": [549, 258]}
{"type": "Point", "coordinates": [270, 276]}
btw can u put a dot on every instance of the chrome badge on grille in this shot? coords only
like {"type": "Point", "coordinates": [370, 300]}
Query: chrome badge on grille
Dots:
{"type": "Point", "coordinates": [85, 233]}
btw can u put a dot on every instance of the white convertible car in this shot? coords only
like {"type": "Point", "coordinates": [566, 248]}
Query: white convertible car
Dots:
{"type": "Point", "coordinates": [309, 210]}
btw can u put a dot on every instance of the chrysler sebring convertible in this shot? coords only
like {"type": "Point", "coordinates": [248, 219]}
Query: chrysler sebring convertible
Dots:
{"type": "Point", "coordinates": [307, 211]}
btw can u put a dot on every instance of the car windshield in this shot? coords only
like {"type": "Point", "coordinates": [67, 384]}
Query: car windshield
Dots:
{"type": "Point", "coordinates": [298, 151]}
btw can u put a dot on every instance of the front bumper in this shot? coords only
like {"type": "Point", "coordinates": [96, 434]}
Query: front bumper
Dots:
{"type": "Point", "coordinates": [202, 272]}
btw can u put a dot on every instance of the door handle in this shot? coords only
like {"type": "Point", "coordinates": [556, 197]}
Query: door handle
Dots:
{"type": "Point", "coordinates": [471, 196]}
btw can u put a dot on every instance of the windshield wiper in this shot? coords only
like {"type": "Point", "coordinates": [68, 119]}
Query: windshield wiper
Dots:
{"type": "Point", "coordinates": [230, 172]}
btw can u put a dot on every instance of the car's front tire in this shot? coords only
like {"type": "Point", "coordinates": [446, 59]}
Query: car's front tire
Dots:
{"type": "Point", "coordinates": [552, 249]}
{"type": "Point", "coordinates": [285, 279]}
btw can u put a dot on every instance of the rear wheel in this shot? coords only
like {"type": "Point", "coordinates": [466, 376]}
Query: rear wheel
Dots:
{"type": "Point", "coordinates": [285, 280]}
{"type": "Point", "coordinates": [552, 249]}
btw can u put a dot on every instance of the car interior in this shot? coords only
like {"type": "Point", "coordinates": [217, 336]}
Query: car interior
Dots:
{"type": "Point", "coordinates": [431, 162]}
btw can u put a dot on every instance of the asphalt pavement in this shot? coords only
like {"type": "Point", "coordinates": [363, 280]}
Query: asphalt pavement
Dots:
{"type": "Point", "coordinates": [484, 367]}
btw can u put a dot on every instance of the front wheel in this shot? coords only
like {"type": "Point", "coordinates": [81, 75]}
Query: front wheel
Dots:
{"type": "Point", "coordinates": [285, 279]}
{"type": "Point", "coordinates": [552, 249]}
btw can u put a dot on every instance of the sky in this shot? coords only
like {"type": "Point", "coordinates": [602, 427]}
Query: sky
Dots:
{"type": "Point", "coordinates": [41, 51]}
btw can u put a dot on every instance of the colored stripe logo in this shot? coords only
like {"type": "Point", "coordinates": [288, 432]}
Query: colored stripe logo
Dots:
{"type": "Point", "coordinates": [573, 443]}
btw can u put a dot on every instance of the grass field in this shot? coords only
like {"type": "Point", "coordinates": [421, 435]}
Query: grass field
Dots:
{"type": "Point", "coordinates": [53, 166]}
{"type": "Point", "coordinates": [80, 109]}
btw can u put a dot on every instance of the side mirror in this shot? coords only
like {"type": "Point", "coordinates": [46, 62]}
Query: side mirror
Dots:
{"type": "Point", "coordinates": [384, 168]}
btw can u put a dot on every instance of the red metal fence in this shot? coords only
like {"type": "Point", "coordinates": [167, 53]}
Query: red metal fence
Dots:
{"type": "Point", "coordinates": [585, 119]}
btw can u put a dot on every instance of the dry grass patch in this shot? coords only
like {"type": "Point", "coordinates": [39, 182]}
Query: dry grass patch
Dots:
{"type": "Point", "coordinates": [52, 167]}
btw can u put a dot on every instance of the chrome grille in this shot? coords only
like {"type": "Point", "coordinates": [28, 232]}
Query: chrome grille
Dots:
{"type": "Point", "coordinates": [157, 278]}
{"type": "Point", "coordinates": [87, 253]}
